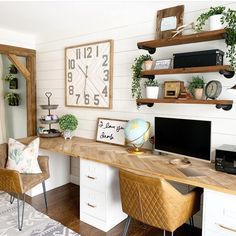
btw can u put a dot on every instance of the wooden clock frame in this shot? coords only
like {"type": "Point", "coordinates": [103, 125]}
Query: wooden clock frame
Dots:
{"type": "Point", "coordinates": [111, 48]}
{"type": "Point", "coordinates": [29, 73]}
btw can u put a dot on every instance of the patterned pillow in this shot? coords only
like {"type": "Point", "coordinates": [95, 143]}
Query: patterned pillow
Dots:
{"type": "Point", "coordinates": [23, 158]}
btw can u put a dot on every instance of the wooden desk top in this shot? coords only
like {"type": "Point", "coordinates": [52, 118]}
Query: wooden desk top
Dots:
{"type": "Point", "coordinates": [147, 163]}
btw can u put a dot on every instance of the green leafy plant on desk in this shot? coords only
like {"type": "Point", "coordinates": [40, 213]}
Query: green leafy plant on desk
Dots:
{"type": "Point", "coordinates": [68, 123]}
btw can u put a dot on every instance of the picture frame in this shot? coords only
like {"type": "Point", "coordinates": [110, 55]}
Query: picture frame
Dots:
{"type": "Point", "coordinates": [162, 64]}
{"type": "Point", "coordinates": [111, 131]}
{"type": "Point", "coordinates": [168, 20]}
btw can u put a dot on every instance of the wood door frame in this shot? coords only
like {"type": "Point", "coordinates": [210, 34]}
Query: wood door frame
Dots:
{"type": "Point", "coordinates": [29, 73]}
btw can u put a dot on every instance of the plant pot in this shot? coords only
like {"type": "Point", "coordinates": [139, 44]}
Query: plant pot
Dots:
{"type": "Point", "coordinates": [148, 65]}
{"type": "Point", "coordinates": [13, 70]}
{"type": "Point", "coordinates": [198, 93]}
{"type": "Point", "coordinates": [152, 92]}
{"type": "Point", "coordinates": [13, 84]}
{"type": "Point", "coordinates": [13, 102]}
{"type": "Point", "coordinates": [67, 134]}
{"type": "Point", "coordinates": [215, 23]}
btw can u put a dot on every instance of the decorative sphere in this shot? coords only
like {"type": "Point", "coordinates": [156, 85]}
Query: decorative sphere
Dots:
{"type": "Point", "coordinates": [137, 132]}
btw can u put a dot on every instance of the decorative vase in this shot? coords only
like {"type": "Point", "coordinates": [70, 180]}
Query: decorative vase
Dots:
{"type": "Point", "coordinates": [198, 93]}
{"type": "Point", "coordinates": [67, 134]}
{"type": "Point", "coordinates": [152, 92]}
{"type": "Point", "coordinates": [215, 23]}
{"type": "Point", "coordinates": [148, 65]}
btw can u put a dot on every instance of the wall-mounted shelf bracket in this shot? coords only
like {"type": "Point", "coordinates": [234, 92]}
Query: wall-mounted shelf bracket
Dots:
{"type": "Point", "coordinates": [139, 104]}
{"type": "Point", "coordinates": [149, 49]}
{"type": "Point", "coordinates": [152, 77]}
{"type": "Point", "coordinates": [224, 107]}
{"type": "Point", "coordinates": [227, 73]}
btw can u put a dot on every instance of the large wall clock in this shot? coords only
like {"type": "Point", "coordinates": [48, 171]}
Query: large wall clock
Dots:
{"type": "Point", "coordinates": [88, 74]}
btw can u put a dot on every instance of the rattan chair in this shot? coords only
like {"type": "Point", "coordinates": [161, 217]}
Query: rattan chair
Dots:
{"type": "Point", "coordinates": [156, 202]}
{"type": "Point", "coordinates": [16, 184]}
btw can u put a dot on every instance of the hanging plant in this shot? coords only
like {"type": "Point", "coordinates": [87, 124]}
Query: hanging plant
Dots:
{"type": "Point", "coordinates": [13, 69]}
{"type": "Point", "coordinates": [136, 75]}
{"type": "Point", "coordinates": [12, 98]}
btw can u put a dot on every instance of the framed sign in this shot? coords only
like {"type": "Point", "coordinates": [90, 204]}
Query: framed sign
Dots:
{"type": "Point", "coordinates": [111, 131]}
{"type": "Point", "coordinates": [162, 64]}
{"type": "Point", "coordinates": [88, 75]}
{"type": "Point", "coordinates": [168, 20]}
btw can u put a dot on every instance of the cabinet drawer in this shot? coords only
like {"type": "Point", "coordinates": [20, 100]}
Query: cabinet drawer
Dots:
{"type": "Point", "coordinates": [93, 203]}
{"type": "Point", "coordinates": [220, 213]}
{"type": "Point", "coordinates": [93, 175]}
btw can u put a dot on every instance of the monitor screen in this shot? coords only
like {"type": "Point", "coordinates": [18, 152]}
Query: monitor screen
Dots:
{"type": "Point", "coordinates": [190, 138]}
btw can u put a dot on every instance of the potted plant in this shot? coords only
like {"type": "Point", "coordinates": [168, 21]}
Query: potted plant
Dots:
{"type": "Point", "coordinates": [136, 75]}
{"type": "Point", "coordinates": [12, 98]}
{"type": "Point", "coordinates": [152, 88]}
{"type": "Point", "coordinates": [13, 69]}
{"type": "Point", "coordinates": [68, 123]}
{"type": "Point", "coordinates": [196, 87]}
{"type": "Point", "coordinates": [13, 81]}
{"type": "Point", "coordinates": [227, 18]}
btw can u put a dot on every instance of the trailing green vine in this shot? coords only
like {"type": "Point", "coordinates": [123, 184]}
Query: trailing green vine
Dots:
{"type": "Point", "coordinates": [136, 75]}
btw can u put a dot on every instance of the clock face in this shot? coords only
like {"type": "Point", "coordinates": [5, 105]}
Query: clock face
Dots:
{"type": "Point", "coordinates": [213, 89]}
{"type": "Point", "coordinates": [89, 75]}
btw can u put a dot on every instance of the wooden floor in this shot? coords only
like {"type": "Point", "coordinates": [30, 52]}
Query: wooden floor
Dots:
{"type": "Point", "coordinates": [63, 205]}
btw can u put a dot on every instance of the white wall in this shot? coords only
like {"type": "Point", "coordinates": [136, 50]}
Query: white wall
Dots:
{"type": "Point", "coordinates": [139, 26]}
{"type": "Point", "coordinates": [18, 39]}
{"type": "Point", "coordinates": [50, 74]}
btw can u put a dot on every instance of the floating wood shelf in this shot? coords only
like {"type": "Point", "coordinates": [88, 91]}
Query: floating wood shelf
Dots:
{"type": "Point", "coordinates": [222, 69]}
{"type": "Point", "coordinates": [224, 104]}
{"type": "Point", "coordinates": [191, 38]}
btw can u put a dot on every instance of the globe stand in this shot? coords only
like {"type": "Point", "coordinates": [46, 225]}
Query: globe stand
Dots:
{"type": "Point", "coordinates": [135, 150]}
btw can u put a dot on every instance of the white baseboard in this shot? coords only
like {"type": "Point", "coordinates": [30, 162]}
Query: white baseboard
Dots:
{"type": "Point", "coordinates": [75, 179]}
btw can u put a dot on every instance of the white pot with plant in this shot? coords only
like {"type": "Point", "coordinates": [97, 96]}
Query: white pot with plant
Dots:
{"type": "Point", "coordinates": [137, 68]}
{"type": "Point", "coordinates": [68, 123]}
{"type": "Point", "coordinates": [228, 21]}
{"type": "Point", "coordinates": [196, 87]}
{"type": "Point", "coordinates": [152, 88]}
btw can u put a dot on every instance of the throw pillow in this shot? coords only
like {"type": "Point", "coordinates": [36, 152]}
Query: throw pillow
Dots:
{"type": "Point", "coordinates": [23, 158]}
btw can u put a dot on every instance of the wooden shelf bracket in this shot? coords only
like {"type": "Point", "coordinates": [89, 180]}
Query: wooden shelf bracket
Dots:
{"type": "Point", "coordinates": [150, 50]}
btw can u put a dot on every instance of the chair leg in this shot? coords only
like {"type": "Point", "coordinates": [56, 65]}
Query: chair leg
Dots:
{"type": "Point", "coordinates": [172, 233]}
{"type": "Point", "coordinates": [45, 195]}
{"type": "Point", "coordinates": [12, 198]}
{"type": "Point", "coordinates": [127, 224]}
{"type": "Point", "coordinates": [20, 217]}
{"type": "Point", "coordinates": [192, 221]}
{"type": "Point", "coordinates": [164, 233]}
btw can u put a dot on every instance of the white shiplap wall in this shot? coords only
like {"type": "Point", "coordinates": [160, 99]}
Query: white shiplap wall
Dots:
{"type": "Point", "coordinates": [50, 75]}
{"type": "Point", "coordinates": [140, 27]}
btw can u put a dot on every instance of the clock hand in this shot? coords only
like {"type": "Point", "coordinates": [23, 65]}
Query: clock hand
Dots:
{"type": "Point", "coordinates": [82, 70]}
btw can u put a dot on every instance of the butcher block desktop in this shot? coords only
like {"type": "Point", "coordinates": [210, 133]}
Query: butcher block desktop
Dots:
{"type": "Point", "coordinates": [204, 174]}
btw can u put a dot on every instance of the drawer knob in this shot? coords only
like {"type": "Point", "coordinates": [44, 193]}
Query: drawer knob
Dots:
{"type": "Point", "coordinates": [226, 227]}
{"type": "Point", "coordinates": [91, 177]}
{"type": "Point", "coordinates": [90, 205]}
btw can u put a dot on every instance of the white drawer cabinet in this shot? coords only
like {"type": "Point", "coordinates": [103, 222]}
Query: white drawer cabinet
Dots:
{"type": "Point", "coordinates": [219, 214]}
{"type": "Point", "coordinates": [100, 204]}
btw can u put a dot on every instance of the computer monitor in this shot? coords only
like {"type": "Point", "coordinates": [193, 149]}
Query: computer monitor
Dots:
{"type": "Point", "coordinates": [190, 138]}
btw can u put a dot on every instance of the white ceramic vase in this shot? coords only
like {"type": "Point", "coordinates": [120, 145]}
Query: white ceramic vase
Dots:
{"type": "Point", "coordinates": [215, 23]}
{"type": "Point", "coordinates": [67, 134]}
{"type": "Point", "coordinates": [198, 93]}
{"type": "Point", "coordinates": [152, 92]}
{"type": "Point", "coordinates": [148, 65]}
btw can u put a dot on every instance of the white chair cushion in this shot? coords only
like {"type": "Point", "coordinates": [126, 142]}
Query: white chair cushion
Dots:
{"type": "Point", "coordinates": [23, 158]}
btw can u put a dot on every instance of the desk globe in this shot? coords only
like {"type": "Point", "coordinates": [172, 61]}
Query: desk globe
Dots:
{"type": "Point", "coordinates": [137, 133]}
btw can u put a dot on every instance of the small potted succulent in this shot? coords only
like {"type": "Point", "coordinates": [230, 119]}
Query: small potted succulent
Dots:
{"type": "Point", "coordinates": [196, 87]}
{"type": "Point", "coordinates": [152, 88]}
{"type": "Point", "coordinates": [136, 75]}
{"type": "Point", "coordinates": [68, 123]}
{"type": "Point", "coordinates": [12, 98]}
